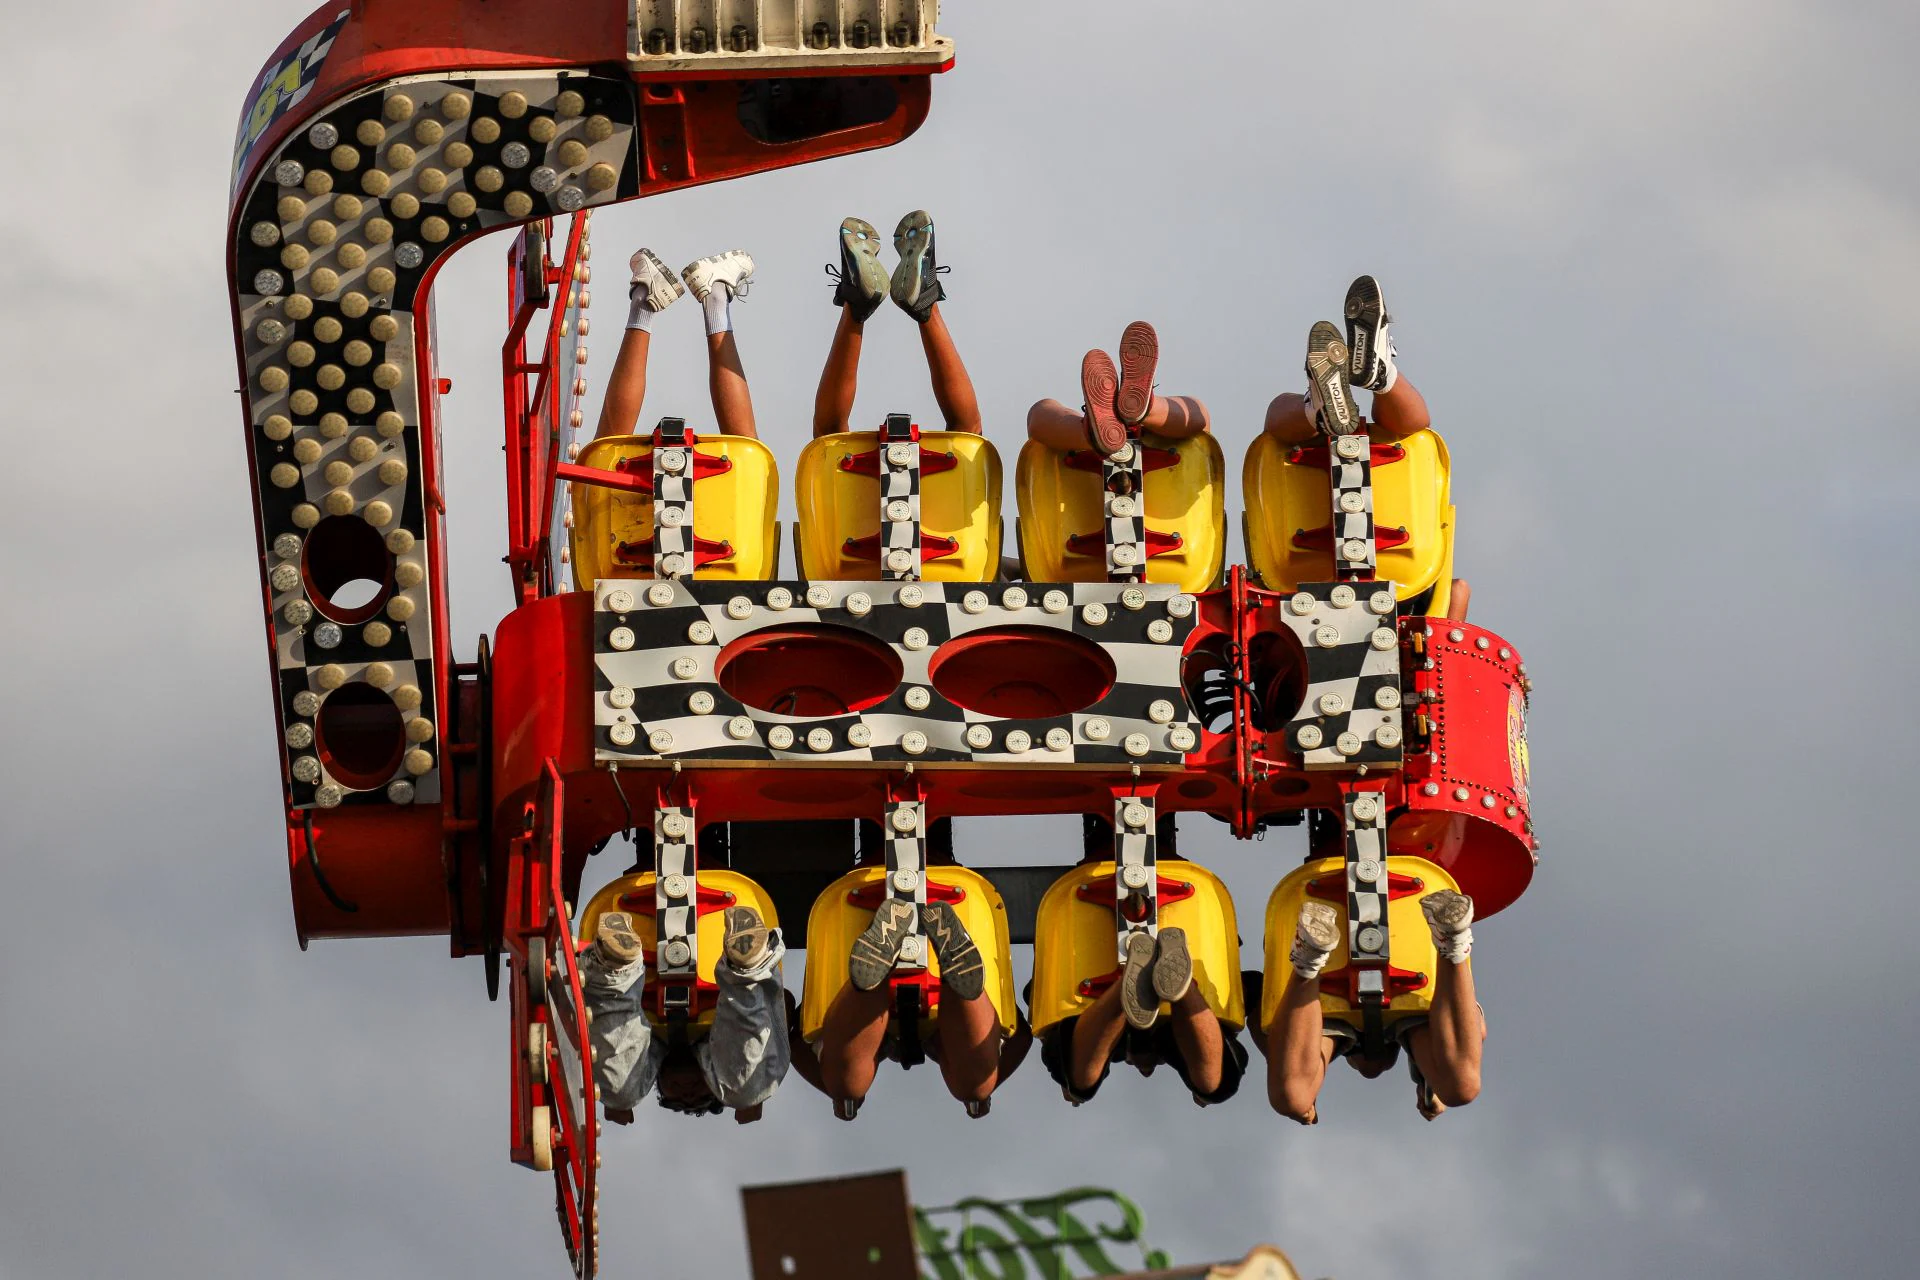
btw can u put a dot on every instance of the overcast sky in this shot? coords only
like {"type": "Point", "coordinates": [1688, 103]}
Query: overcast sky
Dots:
{"type": "Point", "coordinates": [1655, 268]}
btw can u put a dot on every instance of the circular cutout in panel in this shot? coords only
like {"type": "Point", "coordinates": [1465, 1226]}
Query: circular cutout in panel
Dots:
{"type": "Point", "coordinates": [1279, 669]}
{"type": "Point", "coordinates": [348, 569]}
{"type": "Point", "coordinates": [1021, 673]}
{"type": "Point", "coordinates": [360, 736]}
{"type": "Point", "coordinates": [812, 670]}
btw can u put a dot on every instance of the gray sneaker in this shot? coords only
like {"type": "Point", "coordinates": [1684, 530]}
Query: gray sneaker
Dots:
{"type": "Point", "coordinates": [746, 942]}
{"type": "Point", "coordinates": [615, 940]}
{"type": "Point", "coordinates": [876, 951]}
{"type": "Point", "coordinates": [916, 281]}
{"type": "Point", "coordinates": [860, 282]}
{"type": "Point", "coordinates": [962, 971]}
{"type": "Point", "coordinates": [1172, 966]}
{"type": "Point", "coordinates": [1329, 397]}
{"type": "Point", "coordinates": [1137, 997]}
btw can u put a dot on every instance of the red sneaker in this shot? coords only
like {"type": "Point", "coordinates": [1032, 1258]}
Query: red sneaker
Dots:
{"type": "Point", "coordinates": [1098, 383]}
{"type": "Point", "coordinates": [1139, 352]}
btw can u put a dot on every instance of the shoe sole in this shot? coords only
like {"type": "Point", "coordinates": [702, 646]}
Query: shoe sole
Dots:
{"type": "Point", "coordinates": [864, 265]}
{"type": "Point", "coordinates": [1327, 367]}
{"type": "Point", "coordinates": [1321, 928]}
{"type": "Point", "coordinates": [1450, 912]}
{"type": "Point", "coordinates": [1139, 353]}
{"type": "Point", "coordinates": [610, 928]}
{"type": "Point", "coordinates": [1366, 309]}
{"type": "Point", "coordinates": [1137, 1000]}
{"type": "Point", "coordinates": [1172, 966]}
{"type": "Point", "coordinates": [663, 290]}
{"type": "Point", "coordinates": [910, 277]}
{"type": "Point", "coordinates": [962, 971]}
{"type": "Point", "coordinates": [877, 949]}
{"type": "Point", "coordinates": [1099, 382]}
{"type": "Point", "coordinates": [744, 924]}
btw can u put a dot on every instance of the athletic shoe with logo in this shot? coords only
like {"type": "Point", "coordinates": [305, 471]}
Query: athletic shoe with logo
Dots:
{"type": "Point", "coordinates": [1172, 966]}
{"type": "Point", "coordinates": [1139, 353]}
{"type": "Point", "coordinates": [1314, 938]}
{"type": "Point", "coordinates": [1137, 997]}
{"type": "Point", "coordinates": [916, 281]}
{"type": "Point", "coordinates": [732, 269]}
{"type": "Point", "coordinates": [651, 274]}
{"type": "Point", "coordinates": [876, 950]}
{"type": "Point", "coordinates": [962, 971]}
{"type": "Point", "coordinates": [1450, 916]}
{"type": "Point", "coordinates": [860, 283]}
{"type": "Point", "coordinates": [615, 941]}
{"type": "Point", "coordinates": [746, 942]}
{"type": "Point", "coordinates": [1369, 344]}
{"type": "Point", "coordinates": [1329, 397]}
{"type": "Point", "coordinates": [1099, 383]}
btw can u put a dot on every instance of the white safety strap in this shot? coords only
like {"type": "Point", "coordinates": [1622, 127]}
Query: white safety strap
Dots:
{"type": "Point", "coordinates": [1350, 467]}
{"type": "Point", "coordinates": [899, 500]}
{"type": "Point", "coordinates": [1136, 877]}
{"type": "Point", "coordinates": [906, 856]}
{"type": "Point", "coordinates": [672, 500]}
{"type": "Point", "coordinates": [676, 898]}
{"type": "Point", "coordinates": [1125, 525]}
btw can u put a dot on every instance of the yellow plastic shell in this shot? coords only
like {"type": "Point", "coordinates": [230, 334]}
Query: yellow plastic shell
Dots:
{"type": "Point", "coordinates": [1188, 498]}
{"type": "Point", "coordinates": [962, 504]}
{"type": "Point", "coordinates": [835, 922]}
{"type": "Point", "coordinates": [1415, 493]}
{"type": "Point", "coordinates": [712, 930]}
{"type": "Point", "coordinates": [736, 507]}
{"type": "Point", "coordinates": [1410, 941]}
{"type": "Point", "coordinates": [1076, 942]}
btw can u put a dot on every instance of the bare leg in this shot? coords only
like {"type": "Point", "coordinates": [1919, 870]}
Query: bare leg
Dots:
{"type": "Point", "coordinates": [1447, 1050]}
{"type": "Point", "coordinates": [1458, 599]}
{"type": "Point", "coordinates": [833, 402]}
{"type": "Point", "coordinates": [1094, 1036]}
{"type": "Point", "coordinates": [1197, 1031]}
{"type": "Point", "coordinates": [969, 1049]}
{"type": "Point", "coordinates": [851, 1040]}
{"type": "Point", "coordinates": [952, 388]}
{"type": "Point", "coordinates": [1175, 417]}
{"type": "Point", "coordinates": [620, 410]}
{"type": "Point", "coordinates": [1400, 412]}
{"type": "Point", "coordinates": [727, 384]}
{"type": "Point", "coordinates": [1288, 419]}
{"type": "Point", "coordinates": [1297, 1052]}
{"type": "Point", "coordinates": [1057, 427]}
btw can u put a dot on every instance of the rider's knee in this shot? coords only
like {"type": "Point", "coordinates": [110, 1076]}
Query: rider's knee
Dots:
{"type": "Point", "coordinates": [1294, 1099]}
{"type": "Point", "coordinates": [1458, 1087]}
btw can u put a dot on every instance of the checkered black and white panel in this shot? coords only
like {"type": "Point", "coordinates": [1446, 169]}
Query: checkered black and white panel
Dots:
{"type": "Point", "coordinates": [1135, 868]}
{"type": "Point", "coordinates": [672, 500]}
{"type": "Point", "coordinates": [1352, 712]}
{"type": "Point", "coordinates": [1351, 470]}
{"type": "Point", "coordinates": [1125, 523]}
{"type": "Point", "coordinates": [1365, 814]}
{"type": "Point", "coordinates": [900, 504]}
{"type": "Point", "coordinates": [340, 227]}
{"type": "Point", "coordinates": [656, 695]}
{"type": "Point", "coordinates": [675, 895]}
{"type": "Point", "coordinates": [906, 865]}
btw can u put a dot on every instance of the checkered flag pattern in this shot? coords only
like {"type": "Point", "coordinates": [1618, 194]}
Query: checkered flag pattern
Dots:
{"type": "Point", "coordinates": [1125, 525]}
{"type": "Point", "coordinates": [656, 695]}
{"type": "Point", "coordinates": [672, 499]}
{"type": "Point", "coordinates": [1350, 468]}
{"type": "Point", "coordinates": [899, 500]}
{"type": "Point", "coordinates": [1365, 815]}
{"type": "Point", "coordinates": [675, 897]}
{"type": "Point", "coordinates": [1352, 714]}
{"type": "Point", "coordinates": [1136, 877]}
{"type": "Point", "coordinates": [906, 859]}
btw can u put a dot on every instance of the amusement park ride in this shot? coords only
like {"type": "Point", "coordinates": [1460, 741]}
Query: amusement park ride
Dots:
{"type": "Point", "coordinates": [659, 676]}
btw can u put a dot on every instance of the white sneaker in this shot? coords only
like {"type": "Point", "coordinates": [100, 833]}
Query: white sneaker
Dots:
{"type": "Point", "coordinates": [732, 269]}
{"type": "Point", "coordinates": [651, 274]}
{"type": "Point", "coordinates": [1314, 939]}
{"type": "Point", "coordinates": [1450, 916]}
{"type": "Point", "coordinates": [615, 940]}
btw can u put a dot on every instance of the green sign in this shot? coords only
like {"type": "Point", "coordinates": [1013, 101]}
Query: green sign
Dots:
{"type": "Point", "coordinates": [1059, 1237]}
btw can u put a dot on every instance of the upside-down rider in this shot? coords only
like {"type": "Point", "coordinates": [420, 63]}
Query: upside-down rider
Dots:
{"type": "Point", "coordinates": [714, 282]}
{"type": "Point", "coordinates": [1117, 401]}
{"type": "Point", "coordinates": [738, 1061]}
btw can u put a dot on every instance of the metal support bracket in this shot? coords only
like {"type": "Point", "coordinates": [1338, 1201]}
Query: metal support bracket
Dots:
{"type": "Point", "coordinates": [1369, 941]}
{"type": "Point", "coordinates": [676, 894]}
{"type": "Point", "coordinates": [905, 842]}
{"type": "Point", "coordinates": [673, 476]}
{"type": "Point", "coordinates": [1350, 469]}
{"type": "Point", "coordinates": [1136, 879]}
{"type": "Point", "coordinates": [899, 499]}
{"type": "Point", "coordinates": [1125, 510]}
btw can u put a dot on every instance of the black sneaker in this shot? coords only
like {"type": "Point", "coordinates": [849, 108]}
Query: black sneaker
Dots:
{"type": "Point", "coordinates": [916, 281]}
{"type": "Point", "coordinates": [860, 281]}
{"type": "Point", "coordinates": [1369, 347]}
{"type": "Point", "coordinates": [1329, 397]}
{"type": "Point", "coordinates": [962, 971]}
{"type": "Point", "coordinates": [877, 950]}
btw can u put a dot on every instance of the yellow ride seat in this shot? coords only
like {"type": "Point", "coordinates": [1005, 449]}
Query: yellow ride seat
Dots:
{"type": "Point", "coordinates": [843, 912]}
{"type": "Point", "coordinates": [1062, 513]}
{"type": "Point", "coordinates": [1074, 951]}
{"type": "Point", "coordinates": [1289, 516]}
{"type": "Point", "coordinates": [837, 492]}
{"type": "Point", "coordinates": [735, 493]}
{"type": "Point", "coordinates": [718, 890]}
{"type": "Point", "coordinates": [1412, 959]}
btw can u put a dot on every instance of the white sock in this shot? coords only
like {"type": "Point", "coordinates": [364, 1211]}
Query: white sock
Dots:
{"type": "Point", "coordinates": [1307, 959]}
{"type": "Point", "coordinates": [1393, 374]}
{"type": "Point", "coordinates": [1456, 947]}
{"type": "Point", "coordinates": [640, 315]}
{"type": "Point", "coordinates": [719, 318]}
